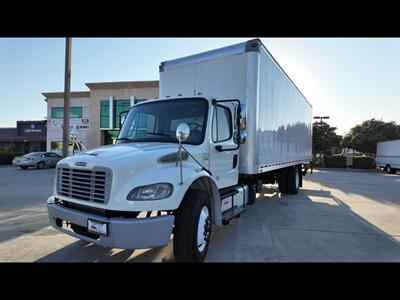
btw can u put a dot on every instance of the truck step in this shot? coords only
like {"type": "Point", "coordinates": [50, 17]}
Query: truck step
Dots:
{"type": "Point", "coordinates": [232, 213]}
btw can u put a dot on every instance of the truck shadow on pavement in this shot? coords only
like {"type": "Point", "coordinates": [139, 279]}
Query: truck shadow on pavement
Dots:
{"type": "Point", "coordinates": [377, 186]}
{"type": "Point", "coordinates": [81, 251]}
{"type": "Point", "coordinates": [312, 226]}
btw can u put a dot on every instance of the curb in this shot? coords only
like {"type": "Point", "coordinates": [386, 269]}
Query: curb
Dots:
{"type": "Point", "coordinates": [349, 170]}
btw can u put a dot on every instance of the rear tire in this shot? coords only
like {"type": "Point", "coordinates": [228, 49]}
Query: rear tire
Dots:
{"type": "Point", "coordinates": [252, 194]}
{"type": "Point", "coordinates": [390, 170]}
{"type": "Point", "coordinates": [193, 225]}
{"type": "Point", "coordinates": [24, 168]}
{"type": "Point", "coordinates": [293, 180]}
{"type": "Point", "coordinates": [282, 181]}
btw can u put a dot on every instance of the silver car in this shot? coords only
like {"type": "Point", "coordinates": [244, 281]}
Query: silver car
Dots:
{"type": "Point", "coordinates": [39, 160]}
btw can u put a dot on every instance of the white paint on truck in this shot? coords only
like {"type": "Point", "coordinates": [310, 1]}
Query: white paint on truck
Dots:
{"type": "Point", "coordinates": [279, 125]}
{"type": "Point", "coordinates": [388, 154]}
{"type": "Point", "coordinates": [246, 124]}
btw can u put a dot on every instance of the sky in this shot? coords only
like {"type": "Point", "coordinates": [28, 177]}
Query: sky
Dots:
{"type": "Point", "coordinates": [348, 79]}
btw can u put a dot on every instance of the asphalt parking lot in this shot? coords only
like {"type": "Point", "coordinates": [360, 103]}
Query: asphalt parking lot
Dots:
{"type": "Point", "coordinates": [338, 216]}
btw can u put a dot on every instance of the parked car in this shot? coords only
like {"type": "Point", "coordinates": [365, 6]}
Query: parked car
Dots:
{"type": "Point", "coordinates": [349, 154]}
{"type": "Point", "coordinates": [39, 160]}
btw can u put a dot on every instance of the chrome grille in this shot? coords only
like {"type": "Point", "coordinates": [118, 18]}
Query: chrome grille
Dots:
{"type": "Point", "coordinates": [84, 184]}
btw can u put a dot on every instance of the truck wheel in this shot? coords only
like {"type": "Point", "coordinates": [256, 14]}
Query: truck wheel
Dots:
{"type": "Point", "coordinates": [252, 194]}
{"type": "Point", "coordinates": [390, 170]}
{"type": "Point", "coordinates": [293, 180]}
{"type": "Point", "coordinates": [40, 165]}
{"type": "Point", "coordinates": [193, 224]}
{"type": "Point", "coordinates": [282, 181]}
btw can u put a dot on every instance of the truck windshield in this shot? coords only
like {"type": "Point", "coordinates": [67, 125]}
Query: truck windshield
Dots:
{"type": "Point", "coordinates": [157, 121]}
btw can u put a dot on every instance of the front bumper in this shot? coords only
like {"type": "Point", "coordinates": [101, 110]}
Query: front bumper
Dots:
{"type": "Point", "coordinates": [123, 233]}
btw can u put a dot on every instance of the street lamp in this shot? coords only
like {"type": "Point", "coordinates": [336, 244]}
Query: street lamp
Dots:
{"type": "Point", "coordinates": [320, 118]}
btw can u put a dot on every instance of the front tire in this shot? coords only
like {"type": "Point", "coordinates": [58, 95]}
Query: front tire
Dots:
{"type": "Point", "coordinates": [40, 165]}
{"type": "Point", "coordinates": [193, 224]}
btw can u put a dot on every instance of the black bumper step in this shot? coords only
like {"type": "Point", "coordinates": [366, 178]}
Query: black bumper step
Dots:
{"type": "Point", "coordinates": [232, 213]}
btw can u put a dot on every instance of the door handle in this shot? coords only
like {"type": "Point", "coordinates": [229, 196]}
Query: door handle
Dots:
{"type": "Point", "coordinates": [220, 149]}
{"type": "Point", "coordinates": [235, 161]}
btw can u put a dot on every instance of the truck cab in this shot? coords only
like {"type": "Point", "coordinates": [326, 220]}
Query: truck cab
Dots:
{"type": "Point", "coordinates": [173, 159]}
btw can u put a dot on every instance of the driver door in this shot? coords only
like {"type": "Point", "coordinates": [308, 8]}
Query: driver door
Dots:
{"type": "Point", "coordinates": [224, 152]}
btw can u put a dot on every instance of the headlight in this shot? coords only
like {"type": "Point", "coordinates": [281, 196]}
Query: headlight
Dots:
{"type": "Point", "coordinates": [151, 192]}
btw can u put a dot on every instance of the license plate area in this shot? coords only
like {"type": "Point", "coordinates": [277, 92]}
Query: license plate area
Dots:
{"type": "Point", "coordinates": [98, 227]}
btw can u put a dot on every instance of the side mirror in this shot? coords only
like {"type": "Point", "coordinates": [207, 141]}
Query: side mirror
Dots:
{"type": "Point", "coordinates": [242, 116]}
{"type": "Point", "coordinates": [122, 118]}
{"type": "Point", "coordinates": [241, 120]}
{"type": "Point", "coordinates": [240, 137]}
{"type": "Point", "coordinates": [182, 132]}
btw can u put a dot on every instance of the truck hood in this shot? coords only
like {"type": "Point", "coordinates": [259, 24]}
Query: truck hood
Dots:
{"type": "Point", "coordinates": [125, 154]}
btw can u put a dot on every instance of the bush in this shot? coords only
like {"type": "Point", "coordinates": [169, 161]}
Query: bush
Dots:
{"type": "Point", "coordinates": [334, 161]}
{"type": "Point", "coordinates": [317, 162]}
{"type": "Point", "coordinates": [362, 162]}
{"type": "Point", "coordinates": [7, 155]}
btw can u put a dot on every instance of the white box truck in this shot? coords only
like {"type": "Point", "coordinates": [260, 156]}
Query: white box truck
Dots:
{"type": "Point", "coordinates": [226, 122]}
{"type": "Point", "coordinates": [388, 156]}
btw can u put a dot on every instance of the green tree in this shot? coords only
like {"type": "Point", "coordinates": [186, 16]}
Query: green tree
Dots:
{"type": "Point", "coordinates": [325, 139]}
{"type": "Point", "coordinates": [365, 136]}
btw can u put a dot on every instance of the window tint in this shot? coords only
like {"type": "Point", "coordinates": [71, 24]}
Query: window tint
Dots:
{"type": "Point", "coordinates": [104, 114]}
{"type": "Point", "coordinates": [119, 107]}
{"type": "Point", "coordinates": [143, 124]}
{"type": "Point", "coordinates": [33, 154]}
{"type": "Point", "coordinates": [195, 124]}
{"type": "Point", "coordinates": [74, 112]}
{"type": "Point", "coordinates": [157, 121]}
{"type": "Point", "coordinates": [58, 145]}
{"type": "Point", "coordinates": [222, 124]}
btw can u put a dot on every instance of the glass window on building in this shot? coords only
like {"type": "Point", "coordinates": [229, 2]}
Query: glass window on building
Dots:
{"type": "Point", "coordinates": [104, 114]}
{"type": "Point", "coordinates": [75, 112]}
{"type": "Point", "coordinates": [58, 145]}
{"type": "Point", "coordinates": [110, 136]}
{"type": "Point", "coordinates": [119, 107]}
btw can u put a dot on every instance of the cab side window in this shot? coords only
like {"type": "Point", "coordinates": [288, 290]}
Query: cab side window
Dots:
{"type": "Point", "coordinates": [222, 124]}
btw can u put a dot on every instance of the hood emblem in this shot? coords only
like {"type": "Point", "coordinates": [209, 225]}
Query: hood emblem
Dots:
{"type": "Point", "coordinates": [81, 164]}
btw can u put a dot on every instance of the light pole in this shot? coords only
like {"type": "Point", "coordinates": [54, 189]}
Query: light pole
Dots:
{"type": "Point", "coordinates": [320, 118]}
{"type": "Point", "coordinates": [67, 92]}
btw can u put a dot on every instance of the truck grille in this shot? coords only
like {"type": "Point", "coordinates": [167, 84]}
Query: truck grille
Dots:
{"type": "Point", "coordinates": [84, 184]}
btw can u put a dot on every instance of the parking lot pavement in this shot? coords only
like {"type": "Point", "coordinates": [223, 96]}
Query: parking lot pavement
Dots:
{"type": "Point", "coordinates": [23, 195]}
{"type": "Point", "coordinates": [337, 216]}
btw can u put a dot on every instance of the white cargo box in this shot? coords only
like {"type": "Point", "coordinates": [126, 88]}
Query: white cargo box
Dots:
{"type": "Point", "coordinates": [388, 153]}
{"type": "Point", "coordinates": [279, 117]}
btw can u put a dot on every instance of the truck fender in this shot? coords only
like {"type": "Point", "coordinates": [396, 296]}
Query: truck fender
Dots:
{"type": "Point", "coordinates": [206, 183]}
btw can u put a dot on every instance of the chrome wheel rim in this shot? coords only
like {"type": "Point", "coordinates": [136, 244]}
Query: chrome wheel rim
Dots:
{"type": "Point", "coordinates": [203, 229]}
